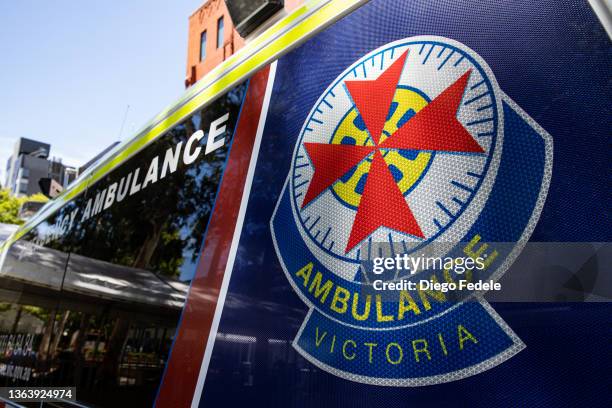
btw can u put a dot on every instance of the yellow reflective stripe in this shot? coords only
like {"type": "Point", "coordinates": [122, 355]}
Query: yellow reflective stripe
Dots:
{"type": "Point", "coordinates": [217, 83]}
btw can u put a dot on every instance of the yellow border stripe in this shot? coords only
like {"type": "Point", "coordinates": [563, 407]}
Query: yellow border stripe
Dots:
{"type": "Point", "coordinates": [218, 81]}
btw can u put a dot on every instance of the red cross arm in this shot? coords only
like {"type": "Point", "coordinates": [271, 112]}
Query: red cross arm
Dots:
{"type": "Point", "coordinates": [436, 127]}
{"type": "Point", "coordinates": [373, 98]}
{"type": "Point", "coordinates": [382, 204]}
{"type": "Point", "coordinates": [330, 162]}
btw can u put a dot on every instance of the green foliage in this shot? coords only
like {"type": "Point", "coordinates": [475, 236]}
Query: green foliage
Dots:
{"type": "Point", "coordinates": [38, 197]}
{"type": "Point", "coordinates": [9, 206]}
{"type": "Point", "coordinates": [39, 312]}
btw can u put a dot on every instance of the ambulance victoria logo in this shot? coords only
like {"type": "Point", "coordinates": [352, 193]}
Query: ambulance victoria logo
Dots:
{"type": "Point", "coordinates": [414, 146]}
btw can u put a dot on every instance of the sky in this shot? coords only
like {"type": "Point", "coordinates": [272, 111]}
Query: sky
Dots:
{"type": "Point", "coordinates": [70, 68]}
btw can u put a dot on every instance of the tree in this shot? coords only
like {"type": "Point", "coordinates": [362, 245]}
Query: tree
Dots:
{"type": "Point", "coordinates": [9, 206]}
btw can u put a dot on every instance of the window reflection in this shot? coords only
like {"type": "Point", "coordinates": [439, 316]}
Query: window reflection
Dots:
{"type": "Point", "coordinates": [95, 304]}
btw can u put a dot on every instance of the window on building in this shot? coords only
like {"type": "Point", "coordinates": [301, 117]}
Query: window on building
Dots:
{"type": "Point", "coordinates": [220, 32]}
{"type": "Point", "coordinates": [23, 186]}
{"type": "Point", "coordinates": [203, 46]}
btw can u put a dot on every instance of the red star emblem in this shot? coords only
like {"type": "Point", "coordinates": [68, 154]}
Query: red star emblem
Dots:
{"type": "Point", "coordinates": [433, 128]}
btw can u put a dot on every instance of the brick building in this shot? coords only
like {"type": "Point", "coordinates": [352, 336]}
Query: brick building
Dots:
{"type": "Point", "coordinates": [213, 38]}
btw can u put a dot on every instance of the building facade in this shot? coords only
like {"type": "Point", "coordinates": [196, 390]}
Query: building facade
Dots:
{"type": "Point", "coordinates": [213, 37]}
{"type": "Point", "coordinates": [29, 163]}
